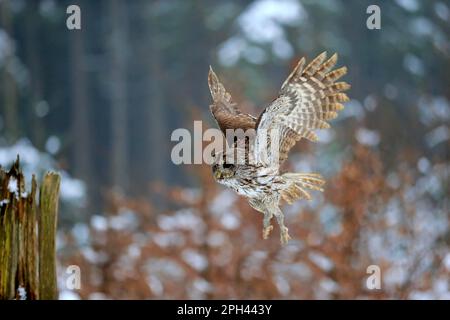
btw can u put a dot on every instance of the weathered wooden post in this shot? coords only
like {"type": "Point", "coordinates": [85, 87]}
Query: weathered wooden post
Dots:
{"type": "Point", "coordinates": [27, 236]}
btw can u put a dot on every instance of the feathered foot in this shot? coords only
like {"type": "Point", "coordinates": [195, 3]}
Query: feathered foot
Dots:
{"type": "Point", "coordinates": [284, 233]}
{"type": "Point", "coordinates": [267, 226]}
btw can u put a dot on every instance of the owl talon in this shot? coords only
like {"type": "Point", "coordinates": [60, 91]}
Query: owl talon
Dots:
{"type": "Point", "coordinates": [266, 232]}
{"type": "Point", "coordinates": [284, 237]}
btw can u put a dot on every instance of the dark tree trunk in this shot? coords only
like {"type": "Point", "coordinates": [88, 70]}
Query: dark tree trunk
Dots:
{"type": "Point", "coordinates": [9, 92]}
{"type": "Point", "coordinates": [118, 90]}
{"type": "Point", "coordinates": [81, 131]}
{"type": "Point", "coordinates": [33, 61]}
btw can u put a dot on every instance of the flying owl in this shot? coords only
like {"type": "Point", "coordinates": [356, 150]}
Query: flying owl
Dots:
{"type": "Point", "coordinates": [308, 98]}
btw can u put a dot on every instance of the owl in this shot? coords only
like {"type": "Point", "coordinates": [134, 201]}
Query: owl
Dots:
{"type": "Point", "coordinates": [307, 100]}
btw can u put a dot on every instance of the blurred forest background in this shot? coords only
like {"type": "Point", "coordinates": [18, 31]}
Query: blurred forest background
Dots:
{"type": "Point", "coordinates": [99, 105]}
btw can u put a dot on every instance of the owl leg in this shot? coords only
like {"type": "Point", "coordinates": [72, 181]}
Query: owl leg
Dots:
{"type": "Point", "coordinates": [266, 223]}
{"type": "Point", "coordinates": [261, 207]}
{"type": "Point", "coordinates": [284, 234]}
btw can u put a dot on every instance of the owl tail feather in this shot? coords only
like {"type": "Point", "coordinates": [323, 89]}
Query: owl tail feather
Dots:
{"type": "Point", "coordinates": [298, 182]}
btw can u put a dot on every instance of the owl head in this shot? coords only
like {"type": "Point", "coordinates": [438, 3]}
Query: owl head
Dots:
{"type": "Point", "coordinates": [229, 164]}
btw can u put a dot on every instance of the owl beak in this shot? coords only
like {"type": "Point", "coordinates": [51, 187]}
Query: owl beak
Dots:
{"type": "Point", "coordinates": [218, 175]}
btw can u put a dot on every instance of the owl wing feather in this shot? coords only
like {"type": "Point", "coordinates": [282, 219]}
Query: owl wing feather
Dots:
{"type": "Point", "coordinates": [308, 98]}
{"type": "Point", "coordinates": [225, 111]}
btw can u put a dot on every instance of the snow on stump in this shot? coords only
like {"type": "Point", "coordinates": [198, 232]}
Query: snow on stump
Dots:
{"type": "Point", "coordinates": [27, 236]}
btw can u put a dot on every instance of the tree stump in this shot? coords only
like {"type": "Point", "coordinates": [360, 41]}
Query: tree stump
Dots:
{"type": "Point", "coordinates": [27, 236]}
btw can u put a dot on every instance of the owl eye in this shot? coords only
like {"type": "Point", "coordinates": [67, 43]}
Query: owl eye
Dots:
{"type": "Point", "coordinates": [228, 166]}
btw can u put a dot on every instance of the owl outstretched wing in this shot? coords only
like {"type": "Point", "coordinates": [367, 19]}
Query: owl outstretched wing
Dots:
{"type": "Point", "coordinates": [308, 98]}
{"type": "Point", "coordinates": [224, 110]}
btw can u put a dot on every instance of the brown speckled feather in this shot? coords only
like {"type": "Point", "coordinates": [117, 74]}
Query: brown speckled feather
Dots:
{"type": "Point", "coordinates": [308, 99]}
{"type": "Point", "coordinates": [224, 110]}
